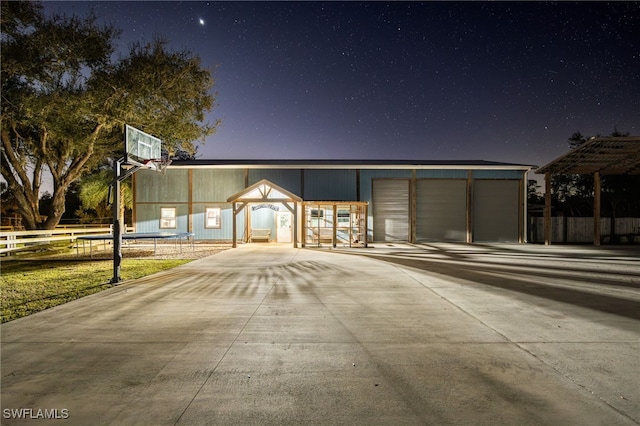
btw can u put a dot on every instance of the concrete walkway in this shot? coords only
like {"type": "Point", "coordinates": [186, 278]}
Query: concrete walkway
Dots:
{"type": "Point", "coordinates": [396, 334]}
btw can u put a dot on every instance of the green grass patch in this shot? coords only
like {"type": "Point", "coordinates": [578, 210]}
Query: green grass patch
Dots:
{"type": "Point", "coordinates": [30, 286]}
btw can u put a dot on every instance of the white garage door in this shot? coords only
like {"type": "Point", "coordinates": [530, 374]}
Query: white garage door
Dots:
{"type": "Point", "coordinates": [441, 210]}
{"type": "Point", "coordinates": [495, 210]}
{"type": "Point", "coordinates": [391, 210]}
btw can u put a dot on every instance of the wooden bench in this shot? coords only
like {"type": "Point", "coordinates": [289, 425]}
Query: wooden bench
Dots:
{"type": "Point", "coordinates": [259, 234]}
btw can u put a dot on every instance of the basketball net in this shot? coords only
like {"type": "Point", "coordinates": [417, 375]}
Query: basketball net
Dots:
{"type": "Point", "coordinates": [158, 164]}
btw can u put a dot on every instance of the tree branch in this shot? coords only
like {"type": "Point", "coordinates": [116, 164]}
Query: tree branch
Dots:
{"type": "Point", "coordinates": [12, 159]}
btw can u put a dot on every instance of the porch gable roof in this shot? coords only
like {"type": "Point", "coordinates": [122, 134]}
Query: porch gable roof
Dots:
{"type": "Point", "coordinates": [264, 191]}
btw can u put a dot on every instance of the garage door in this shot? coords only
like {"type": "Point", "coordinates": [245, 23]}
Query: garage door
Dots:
{"type": "Point", "coordinates": [495, 210]}
{"type": "Point", "coordinates": [391, 210]}
{"type": "Point", "coordinates": [441, 210]}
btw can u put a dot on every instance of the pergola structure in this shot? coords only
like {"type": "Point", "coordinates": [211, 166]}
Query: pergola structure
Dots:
{"type": "Point", "coordinates": [265, 191]}
{"type": "Point", "coordinates": [598, 156]}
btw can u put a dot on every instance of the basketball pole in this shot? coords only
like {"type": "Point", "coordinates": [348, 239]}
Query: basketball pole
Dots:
{"type": "Point", "coordinates": [117, 225]}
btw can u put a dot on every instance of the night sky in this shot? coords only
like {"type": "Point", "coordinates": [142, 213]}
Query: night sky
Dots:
{"type": "Point", "coordinates": [427, 81]}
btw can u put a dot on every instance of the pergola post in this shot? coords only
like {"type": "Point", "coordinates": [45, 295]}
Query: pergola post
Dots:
{"type": "Point", "coordinates": [235, 226]}
{"type": "Point", "coordinates": [295, 225]}
{"type": "Point", "coordinates": [303, 224]}
{"type": "Point", "coordinates": [522, 227]}
{"type": "Point", "coordinates": [547, 208]}
{"type": "Point", "coordinates": [468, 215]}
{"type": "Point", "coordinates": [596, 208]}
{"type": "Point", "coordinates": [334, 235]}
{"type": "Point", "coordinates": [366, 225]}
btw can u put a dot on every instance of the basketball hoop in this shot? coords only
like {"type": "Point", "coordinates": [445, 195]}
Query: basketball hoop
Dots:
{"type": "Point", "coordinates": [157, 164]}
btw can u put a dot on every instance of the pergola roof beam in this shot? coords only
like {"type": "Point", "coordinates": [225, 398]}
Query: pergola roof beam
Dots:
{"type": "Point", "coordinates": [605, 155]}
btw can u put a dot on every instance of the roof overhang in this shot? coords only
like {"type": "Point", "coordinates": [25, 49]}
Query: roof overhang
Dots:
{"type": "Point", "coordinates": [605, 155]}
{"type": "Point", "coordinates": [350, 164]}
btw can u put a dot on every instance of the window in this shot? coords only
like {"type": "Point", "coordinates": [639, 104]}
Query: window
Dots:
{"type": "Point", "coordinates": [344, 217]}
{"type": "Point", "coordinates": [168, 217]}
{"type": "Point", "coordinates": [212, 217]}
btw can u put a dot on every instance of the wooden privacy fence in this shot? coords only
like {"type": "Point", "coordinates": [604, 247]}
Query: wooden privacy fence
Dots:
{"type": "Point", "coordinates": [580, 230]}
{"type": "Point", "coordinates": [16, 241]}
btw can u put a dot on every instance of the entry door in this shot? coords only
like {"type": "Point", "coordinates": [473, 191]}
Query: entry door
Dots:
{"type": "Point", "coordinates": [283, 227]}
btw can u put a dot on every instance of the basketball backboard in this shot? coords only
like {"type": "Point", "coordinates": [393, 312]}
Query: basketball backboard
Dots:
{"type": "Point", "coordinates": [140, 147]}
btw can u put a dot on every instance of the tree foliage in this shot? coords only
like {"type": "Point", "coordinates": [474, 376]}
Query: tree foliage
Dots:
{"type": "Point", "coordinates": [534, 196]}
{"type": "Point", "coordinates": [94, 191]}
{"type": "Point", "coordinates": [65, 101]}
{"type": "Point", "coordinates": [8, 207]}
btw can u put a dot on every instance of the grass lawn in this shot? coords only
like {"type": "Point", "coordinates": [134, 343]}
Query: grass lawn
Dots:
{"type": "Point", "coordinates": [29, 286]}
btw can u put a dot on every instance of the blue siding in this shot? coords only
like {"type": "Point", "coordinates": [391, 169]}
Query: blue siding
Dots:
{"type": "Point", "coordinates": [330, 185]}
{"type": "Point", "coordinates": [216, 185]}
{"type": "Point", "coordinates": [288, 179]}
{"type": "Point", "coordinates": [170, 187]}
{"type": "Point", "coordinates": [442, 174]}
{"type": "Point", "coordinates": [225, 232]}
{"type": "Point", "coordinates": [498, 174]}
{"type": "Point", "coordinates": [148, 218]}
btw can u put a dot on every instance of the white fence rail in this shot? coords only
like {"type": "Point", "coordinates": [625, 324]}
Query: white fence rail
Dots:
{"type": "Point", "coordinates": [580, 229]}
{"type": "Point", "coordinates": [15, 241]}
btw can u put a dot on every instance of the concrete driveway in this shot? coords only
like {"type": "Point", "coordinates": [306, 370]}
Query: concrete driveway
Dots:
{"type": "Point", "coordinates": [395, 334]}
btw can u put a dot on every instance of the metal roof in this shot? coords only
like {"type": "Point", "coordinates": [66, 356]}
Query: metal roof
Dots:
{"type": "Point", "coordinates": [351, 164]}
{"type": "Point", "coordinates": [607, 155]}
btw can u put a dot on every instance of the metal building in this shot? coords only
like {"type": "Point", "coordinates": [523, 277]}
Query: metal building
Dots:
{"type": "Point", "coordinates": [339, 203]}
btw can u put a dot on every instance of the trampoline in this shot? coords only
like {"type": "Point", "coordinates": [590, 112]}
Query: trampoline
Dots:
{"type": "Point", "coordinates": [155, 236]}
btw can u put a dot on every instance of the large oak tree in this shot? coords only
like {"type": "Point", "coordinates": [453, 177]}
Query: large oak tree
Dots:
{"type": "Point", "coordinates": [66, 99]}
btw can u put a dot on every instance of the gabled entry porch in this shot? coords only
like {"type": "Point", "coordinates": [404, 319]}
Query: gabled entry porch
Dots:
{"type": "Point", "coordinates": [265, 193]}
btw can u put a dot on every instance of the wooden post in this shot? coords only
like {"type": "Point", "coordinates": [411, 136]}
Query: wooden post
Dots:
{"type": "Point", "coordinates": [366, 225]}
{"type": "Point", "coordinates": [547, 209]}
{"type": "Point", "coordinates": [469, 238]}
{"type": "Point", "coordinates": [303, 225]}
{"type": "Point", "coordinates": [295, 225]}
{"type": "Point", "coordinates": [413, 212]}
{"type": "Point", "coordinates": [247, 222]}
{"type": "Point", "coordinates": [334, 237]}
{"type": "Point", "coordinates": [522, 211]}
{"type": "Point", "coordinates": [235, 227]}
{"type": "Point", "coordinates": [596, 208]}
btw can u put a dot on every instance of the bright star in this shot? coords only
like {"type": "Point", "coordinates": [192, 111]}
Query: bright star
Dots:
{"type": "Point", "coordinates": [201, 21]}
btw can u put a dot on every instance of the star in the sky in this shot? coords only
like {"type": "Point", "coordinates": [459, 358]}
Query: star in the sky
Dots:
{"type": "Point", "coordinates": [201, 21]}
